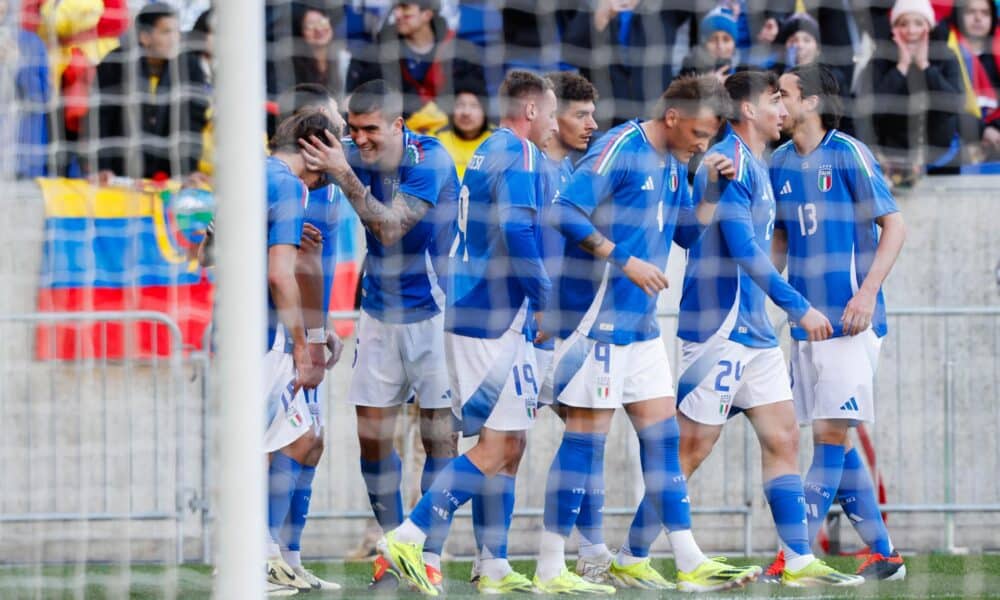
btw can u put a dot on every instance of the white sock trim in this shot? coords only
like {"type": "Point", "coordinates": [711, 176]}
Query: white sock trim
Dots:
{"type": "Point", "coordinates": [687, 554]}
{"type": "Point", "coordinates": [551, 556]}
{"type": "Point", "coordinates": [292, 557]}
{"type": "Point", "coordinates": [409, 533]}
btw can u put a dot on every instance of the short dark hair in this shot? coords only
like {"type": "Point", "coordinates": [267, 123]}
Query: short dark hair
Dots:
{"type": "Point", "coordinates": [746, 86]}
{"type": "Point", "coordinates": [301, 97]}
{"type": "Point", "coordinates": [818, 80]}
{"type": "Point", "coordinates": [298, 126]}
{"type": "Point", "coordinates": [204, 24]}
{"type": "Point", "coordinates": [518, 85]}
{"type": "Point", "coordinates": [150, 15]}
{"type": "Point", "coordinates": [571, 87]}
{"type": "Point", "coordinates": [690, 94]}
{"type": "Point", "coordinates": [376, 95]}
{"type": "Point", "coordinates": [432, 5]}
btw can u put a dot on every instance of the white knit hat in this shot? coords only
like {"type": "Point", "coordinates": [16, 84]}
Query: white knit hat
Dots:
{"type": "Point", "coordinates": [920, 7]}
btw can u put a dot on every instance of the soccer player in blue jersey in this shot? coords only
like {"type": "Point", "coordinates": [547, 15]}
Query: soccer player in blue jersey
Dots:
{"type": "Point", "coordinates": [575, 107]}
{"type": "Point", "coordinates": [496, 281]}
{"type": "Point", "coordinates": [623, 205]}
{"type": "Point", "coordinates": [291, 365]}
{"type": "Point", "coordinates": [315, 267]}
{"type": "Point", "coordinates": [577, 98]}
{"type": "Point", "coordinates": [839, 230]}
{"type": "Point", "coordinates": [400, 344]}
{"type": "Point", "coordinates": [731, 357]}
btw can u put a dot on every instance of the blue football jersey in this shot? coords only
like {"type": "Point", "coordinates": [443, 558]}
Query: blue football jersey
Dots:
{"type": "Point", "coordinates": [828, 201]}
{"type": "Point", "coordinates": [729, 268]}
{"type": "Point", "coordinates": [496, 268]}
{"type": "Point", "coordinates": [321, 213]}
{"type": "Point", "coordinates": [555, 174]}
{"type": "Point", "coordinates": [397, 285]}
{"type": "Point", "coordinates": [286, 199]}
{"type": "Point", "coordinates": [633, 195]}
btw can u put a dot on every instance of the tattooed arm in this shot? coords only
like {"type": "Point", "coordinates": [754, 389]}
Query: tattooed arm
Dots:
{"type": "Point", "coordinates": [389, 222]}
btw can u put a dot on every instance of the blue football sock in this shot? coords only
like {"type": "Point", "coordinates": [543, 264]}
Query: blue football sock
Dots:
{"type": "Point", "coordinates": [498, 515]}
{"type": "Point", "coordinates": [282, 479]}
{"type": "Point", "coordinates": [455, 485]}
{"type": "Point", "coordinates": [788, 508]}
{"type": "Point", "coordinates": [590, 521]}
{"type": "Point", "coordinates": [664, 503]}
{"type": "Point", "coordinates": [488, 513]}
{"type": "Point", "coordinates": [567, 480]}
{"type": "Point", "coordinates": [857, 496]}
{"type": "Point", "coordinates": [481, 511]}
{"type": "Point", "coordinates": [298, 511]}
{"type": "Point", "coordinates": [821, 484]}
{"type": "Point", "coordinates": [509, 494]}
{"type": "Point", "coordinates": [382, 478]}
{"type": "Point", "coordinates": [432, 466]}
{"type": "Point", "coordinates": [646, 526]}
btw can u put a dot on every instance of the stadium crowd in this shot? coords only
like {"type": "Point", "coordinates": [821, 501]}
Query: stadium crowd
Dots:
{"type": "Point", "coordinates": [91, 83]}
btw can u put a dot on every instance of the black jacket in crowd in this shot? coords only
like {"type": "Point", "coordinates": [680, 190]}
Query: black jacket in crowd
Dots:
{"type": "Point", "coordinates": [143, 133]}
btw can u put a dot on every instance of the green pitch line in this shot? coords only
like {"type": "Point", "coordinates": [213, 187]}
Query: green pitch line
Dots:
{"type": "Point", "coordinates": [933, 576]}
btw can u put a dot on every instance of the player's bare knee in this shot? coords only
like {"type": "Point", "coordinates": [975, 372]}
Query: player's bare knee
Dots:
{"type": "Point", "coordinates": [650, 412]}
{"type": "Point", "coordinates": [780, 440]}
{"type": "Point", "coordinates": [299, 449]}
{"type": "Point", "coordinates": [376, 429]}
{"type": "Point", "coordinates": [513, 452]}
{"type": "Point", "coordinates": [588, 420]}
{"type": "Point", "coordinates": [437, 433]}
{"type": "Point", "coordinates": [833, 432]}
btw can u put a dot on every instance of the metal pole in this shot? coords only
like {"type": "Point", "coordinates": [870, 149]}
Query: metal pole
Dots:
{"type": "Point", "coordinates": [747, 494]}
{"type": "Point", "coordinates": [240, 254]}
{"type": "Point", "coordinates": [949, 477]}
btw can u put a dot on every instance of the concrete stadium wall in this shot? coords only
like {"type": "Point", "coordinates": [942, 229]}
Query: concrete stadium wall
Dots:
{"type": "Point", "coordinates": [102, 438]}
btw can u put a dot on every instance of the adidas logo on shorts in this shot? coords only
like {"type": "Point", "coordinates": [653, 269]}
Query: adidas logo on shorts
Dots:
{"type": "Point", "coordinates": [851, 404]}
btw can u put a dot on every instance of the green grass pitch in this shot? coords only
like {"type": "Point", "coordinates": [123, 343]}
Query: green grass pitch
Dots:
{"type": "Point", "coordinates": [929, 576]}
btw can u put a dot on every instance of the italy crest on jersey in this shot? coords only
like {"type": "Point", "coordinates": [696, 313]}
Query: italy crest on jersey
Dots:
{"type": "Point", "coordinates": [674, 178]}
{"type": "Point", "coordinates": [825, 178]}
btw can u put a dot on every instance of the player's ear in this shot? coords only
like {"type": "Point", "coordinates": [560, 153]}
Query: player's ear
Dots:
{"type": "Point", "coordinates": [748, 110]}
{"type": "Point", "coordinates": [812, 103]}
{"type": "Point", "coordinates": [531, 110]}
{"type": "Point", "coordinates": [670, 117]}
{"type": "Point", "coordinates": [397, 125]}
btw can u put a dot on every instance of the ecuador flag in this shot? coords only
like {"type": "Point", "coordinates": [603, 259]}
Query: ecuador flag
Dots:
{"type": "Point", "coordinates": [115, 249]}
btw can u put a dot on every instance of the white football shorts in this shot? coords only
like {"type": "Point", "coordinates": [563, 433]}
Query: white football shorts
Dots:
{"type": "Point", "coordinates": [494, 382]}
{"type": "Point", "coordinates": [718, 375]}
{"type": "Point", "coordinates": [391, 360]}
{"type": "Point", "coordinates": [592, 374]}
{"type": "Point", "coordinates": [835, 378]}
{"type": "Point", "coordinates": [287, 417]}
{"type": "Point", "coordinates": [544, 360]}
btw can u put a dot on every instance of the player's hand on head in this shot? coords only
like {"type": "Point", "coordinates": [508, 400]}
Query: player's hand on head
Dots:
{"type": "Point", "coordinates": [718, 164]}
{"type": "Point", "coordinates": [647, 276]}
{"type": "Point", "coordinates": [324, 155]}
{"type": "Point", "coordinates": [858, 313]}
{"type": "Point", "coordinates": [817, 326]}
{"type": "Point", "coordinates": [312, 237]}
